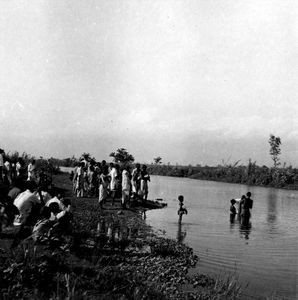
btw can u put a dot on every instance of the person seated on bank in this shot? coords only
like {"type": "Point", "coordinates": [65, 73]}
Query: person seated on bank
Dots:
{"type": "Point", "coordinates": [57, 199]}
{"type": "Point", "coordinates": [16, 189]}
{"type": "Point", "coordinates": [41, 229]}
{"type": "Point", "coordinates": [28, 205]}
{"type": "Point", "coordinates": [54, 209]}
{"type": "Point", "coordinates": [62, 219]}
{"type": "Point", "coordinates": [8, 212]}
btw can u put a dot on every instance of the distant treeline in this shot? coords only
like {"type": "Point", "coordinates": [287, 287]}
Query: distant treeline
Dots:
{"type": "Point", "coordinates": [252, 174]}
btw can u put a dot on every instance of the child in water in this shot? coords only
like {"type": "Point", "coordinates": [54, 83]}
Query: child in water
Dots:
{"type": "Point", "coordinates": [233, 210]}
{"type": "Point", "coordinates": [182, 210]}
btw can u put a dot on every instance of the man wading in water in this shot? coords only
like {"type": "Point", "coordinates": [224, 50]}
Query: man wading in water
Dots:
{"type": "Point", "coordinates": [245, 207]}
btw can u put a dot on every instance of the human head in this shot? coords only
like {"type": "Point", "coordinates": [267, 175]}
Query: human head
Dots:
{"type": "Point", "coordinates": [103, 163]}
{"type": "Point", "coordinates": [138, 166]}
{"type": "Point", "coordinates": [243, 197]}
{"type": "Point", "coordinates": [180, 198]}
{"type": "Point", "coordinates": [233, 201]}
{"type": "Point", "coordinates": [60, 196]}
{"type": "Point", "coordinates": [248, 194]}
{"type": "Point", "coordinates": [45, 212]}
{"type": "Point", "coordinates": [66, 202]}
{"type": "Point", "coordinates": [31, 186]}
{"type": "Point", "coordinates": [125, 167]}
{"type": "Point", "coordinates": [18, 183]}
{"type": "Point", "coordinates": [144, 167]}
{"type": "Point", "coordinates": [54, 208]}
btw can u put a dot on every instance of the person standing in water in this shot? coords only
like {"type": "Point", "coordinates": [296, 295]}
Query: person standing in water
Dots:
{"type": "Point", "coordinates": [233, 211]}
{"type": "Point", "coordinates": [246, 205]}
{"type": "Point", "coordinates": [182, 210]}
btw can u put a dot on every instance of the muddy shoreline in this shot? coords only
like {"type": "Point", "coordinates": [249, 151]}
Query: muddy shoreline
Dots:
{"type": "Point", "coordinates": [111, 254]}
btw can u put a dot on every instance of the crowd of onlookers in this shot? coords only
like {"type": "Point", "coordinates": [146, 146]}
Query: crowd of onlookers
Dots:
{"type": "Point", "coordinates": [29, 202]}
{"type": "Point", "coordinates": [98, 179]}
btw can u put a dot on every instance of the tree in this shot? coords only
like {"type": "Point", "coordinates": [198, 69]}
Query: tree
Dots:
{"type": "Point", "coordinates": [157, 160]}
{"type": "Point", "coordinates": [122, 156]}
{"type": "Point", "coordinates": [275, 142]}
{"type": "Point", "coordinates": [86, 156]}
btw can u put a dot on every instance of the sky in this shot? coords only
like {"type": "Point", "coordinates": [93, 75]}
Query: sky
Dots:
{"type": "Point", "coordinates": [194, 82]}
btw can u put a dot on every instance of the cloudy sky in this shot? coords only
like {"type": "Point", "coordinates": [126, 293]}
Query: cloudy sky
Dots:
{"type": "Point", "coordinates": [191, 81]}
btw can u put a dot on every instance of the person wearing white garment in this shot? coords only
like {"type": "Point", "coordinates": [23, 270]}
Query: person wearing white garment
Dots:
{"type": "Point", "coordinates": [32, 171]}
{"type": "Point", "coordinates": [26, 203]}
{"type": "Point", "coordinates": [113, 181]}
{"type": "Point", "coordinates": [125, 187]}
{"type": "Point", "coordinates": [8, 170]}
{"type": "Point", "coordinates": [136, 180]}
{"type": "Point", "coordinates": [1, 163]}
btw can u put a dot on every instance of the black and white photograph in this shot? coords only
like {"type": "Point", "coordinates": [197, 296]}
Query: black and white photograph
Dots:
{"type": "Point", "coordinates": [148, 149]}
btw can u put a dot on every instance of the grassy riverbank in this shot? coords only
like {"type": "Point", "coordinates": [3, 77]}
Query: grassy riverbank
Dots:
{"type": "Point", "coordinates": [111, 254]}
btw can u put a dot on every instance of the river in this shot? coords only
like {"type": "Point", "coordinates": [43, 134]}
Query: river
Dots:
{"type": "Point", "coordinates": [264, 255]}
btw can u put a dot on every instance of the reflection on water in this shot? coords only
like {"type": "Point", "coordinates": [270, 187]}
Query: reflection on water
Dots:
{"type": "Point", "coordinates": [261, 250]}
{"type": "Point", "coordinates": [272, 212]}
{"type": "Point", "coordinates": [180, 234]}
{"type": "Point", "coordinates": [245, 227]}
{"type": "Point", "coordinates": [243, 223]}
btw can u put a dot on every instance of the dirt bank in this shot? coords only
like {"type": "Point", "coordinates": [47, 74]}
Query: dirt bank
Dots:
{"type": "Point", "coordinates": [110, 254]}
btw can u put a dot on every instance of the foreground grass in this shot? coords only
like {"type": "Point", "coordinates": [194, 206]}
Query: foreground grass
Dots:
{"type": "Point", "coordinates": [111, 254]}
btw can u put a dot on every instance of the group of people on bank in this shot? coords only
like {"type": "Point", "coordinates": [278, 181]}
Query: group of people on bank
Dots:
{"type": "Point", "coordinates": [110, 181]}
{"type": "Point", "coordinates": [29, 204]}
{"type": "Point", "coordinates": [17, 169]}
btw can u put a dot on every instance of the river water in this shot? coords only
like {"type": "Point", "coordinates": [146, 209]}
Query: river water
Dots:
{"type": "Point", "coordinates": [264, 254]}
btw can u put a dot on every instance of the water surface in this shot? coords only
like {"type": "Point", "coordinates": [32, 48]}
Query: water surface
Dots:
{"type": "Point", "coordinates": [263, 254]}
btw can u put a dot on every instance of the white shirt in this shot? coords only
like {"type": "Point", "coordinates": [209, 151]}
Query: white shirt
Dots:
{"type": "Point", "coordinates": [24, 202]}
{"type": "Point", "coordinates": [31, 171]}
{"type": "Point", "coordinates": [7, 166]}
{"type": "Point", "coordinates": [55, 200]}
{"type": "Point", "coordinates": [18, 168]}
